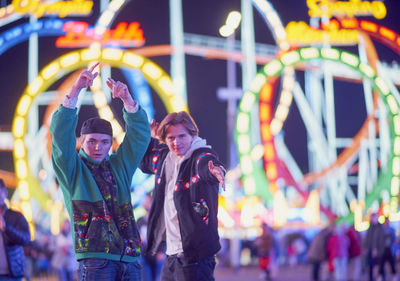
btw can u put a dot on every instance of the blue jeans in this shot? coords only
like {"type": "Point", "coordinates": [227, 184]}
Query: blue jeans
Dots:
{"type": "Point", "coordinates": [94, 269]}
{"type": "Point", "coordinates": [182, 269]}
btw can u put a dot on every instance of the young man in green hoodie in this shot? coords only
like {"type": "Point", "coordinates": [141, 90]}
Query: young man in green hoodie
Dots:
{"type": "Point", "coordinates": [96, 185]}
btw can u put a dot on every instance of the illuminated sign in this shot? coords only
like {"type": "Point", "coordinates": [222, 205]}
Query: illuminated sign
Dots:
{"type": "Point", "coordinates": [328, 8]}
{"type": "Point", "coordinates": [300, 33]}
{"type": "Point", "coordinates": [41, 8]}
{"type": "Point", "coordinates": [79, 34]}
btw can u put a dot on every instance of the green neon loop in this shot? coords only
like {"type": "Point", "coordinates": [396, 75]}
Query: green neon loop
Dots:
{"type": "Point", "coordinates": [252, 169]}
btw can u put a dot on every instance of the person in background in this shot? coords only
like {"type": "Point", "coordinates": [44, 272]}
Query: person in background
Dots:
{"type": "Point", "coordinates": [14, 236]}
{"type": "Point", "coordinates": [337, 248]}
{"type": "Point", "coordinates": [354, 252]}
{"type": "Point", "coordinates": [371, 244]}
{"type": "Point", "coordinates": [266, 250]}
{"type": "Point", "coordinates": [316, 253]}
{"type": "Point", "coordinates": [385, 253]}
{"type": "Point", "coordinates": [63, 259]}
{"type": "Point", "coordinates": [96, 185]}
{"type": "Point", "coordinates": [185, 199]}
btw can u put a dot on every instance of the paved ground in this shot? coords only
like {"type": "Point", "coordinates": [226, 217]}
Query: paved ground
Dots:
{"type": "Point", "coordinates": [295, 273]}
{"type": "Point", "coordinates": [286, 273]}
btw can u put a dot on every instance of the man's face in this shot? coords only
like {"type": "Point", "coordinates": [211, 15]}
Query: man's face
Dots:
{"type": "Point", "coordinates": [96, 145]}
{"type": "Point", "coordinates": [178, 139]}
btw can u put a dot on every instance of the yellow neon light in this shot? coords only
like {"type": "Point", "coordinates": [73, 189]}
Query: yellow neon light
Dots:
{"type": "Point", "coordinates": [178, 103]}
{"type": "Point", "coordinates": [35, 85]}
{"type": "Point", "coordinates": [47, 8]}
{"type": "Point", "coordinates": [23, 190]}
{"type": "Point", "coordinates": [18, 129]}
{"type": "Point", "coordinates": [166, 84]}
{"type": "Point", "coordinates": [23, 105]}
{"type": "Point", "coordinates": [50, 70]}
{"type": "Point", "coordinates": [300, 33]}
{"type": "Point", "coordinates": [27, 210]}
{"type": "Point", "coordinates": [152, 71]}
{"type": "Point", "coordinates": [351, 8]}
{"type": "Point", "coordinates": [19, 148]}
{"type": "Point", "coordinates": [91, 54]}
{"type": "Point", "coordinates": [112, 54]}
{"type": "Point", "coordinates": [69, 59]}
{"type": "Point", "coordinates": [22, 169]}
{"type": "Point", "coordinates": [133, 60]}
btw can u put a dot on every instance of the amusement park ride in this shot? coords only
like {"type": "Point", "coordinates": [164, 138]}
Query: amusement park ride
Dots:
{"type": "Point", "coordinates": [346, 178]}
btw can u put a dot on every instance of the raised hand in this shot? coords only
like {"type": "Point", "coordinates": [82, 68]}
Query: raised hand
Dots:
{"type": "Point", "coordinates": [84, 80]}
{"type": "Point", "coordinates": [217, 172]}
{"type": "Point", "coordinates": [153, 128]}
{"type": "Point", "coordinates": [120, 90]}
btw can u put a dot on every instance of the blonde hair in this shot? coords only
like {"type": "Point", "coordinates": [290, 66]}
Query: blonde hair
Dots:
{"type": "Point", "coordinates": [176, 118]}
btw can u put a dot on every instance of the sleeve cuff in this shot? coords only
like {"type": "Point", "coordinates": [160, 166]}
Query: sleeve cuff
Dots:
{"type": "Point", "coordinates": [132, 108]}
{"type": "Point", "coordinates": [70, 102]}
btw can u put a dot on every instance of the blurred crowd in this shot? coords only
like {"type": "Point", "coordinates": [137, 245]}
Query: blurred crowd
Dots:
{"type": "Point", "coordinates": [335, 253]}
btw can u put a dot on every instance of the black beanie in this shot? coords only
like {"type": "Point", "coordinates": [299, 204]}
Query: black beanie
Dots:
{"type": "Point", "coordinates": [96, 125]}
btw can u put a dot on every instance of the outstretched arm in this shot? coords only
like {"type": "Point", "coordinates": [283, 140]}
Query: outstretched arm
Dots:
{"type": "Point", "coordinates": [84, 80]}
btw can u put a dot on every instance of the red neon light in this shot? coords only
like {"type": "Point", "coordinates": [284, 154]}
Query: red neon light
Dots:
{"type": "Point", "coordinates": [78, 34]}
{"type": "Point", "coordinates": [386, 32]}
{"type": "Point", "coordinates": [369, 26]}
{"type": "Point", "coordinates": [381, 33]}
{"type": "Point", "coordinates": [349, 23]}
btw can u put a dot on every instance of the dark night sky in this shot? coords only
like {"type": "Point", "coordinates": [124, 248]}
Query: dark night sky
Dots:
{"type": "Point", "coordinates": [204, 76]}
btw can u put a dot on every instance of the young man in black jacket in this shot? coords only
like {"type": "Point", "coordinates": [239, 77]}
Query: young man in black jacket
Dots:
{"type": "Point", "coordinates": [14, 235]}
{"type": "Point", "coordinates": [185, 199]}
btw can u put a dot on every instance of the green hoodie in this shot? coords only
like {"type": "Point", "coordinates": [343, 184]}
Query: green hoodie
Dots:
{"type": "Point", "coordinates": [96, 234]}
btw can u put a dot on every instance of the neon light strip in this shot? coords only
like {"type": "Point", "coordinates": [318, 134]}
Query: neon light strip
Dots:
{"type": "Point", "coordinates": [273, 70]}
{"type": "Point", "coordinates": [22, 32]}
{"type": "Point", "coordinates": [274, 22]}
{"type": "Point", "coordinates": [379, 32]}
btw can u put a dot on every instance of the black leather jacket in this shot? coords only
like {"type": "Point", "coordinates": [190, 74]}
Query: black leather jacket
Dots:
{"type": "Point", "coordinates": [15, 236]}
{"type": "Point", "coordinates": [195, 198]}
